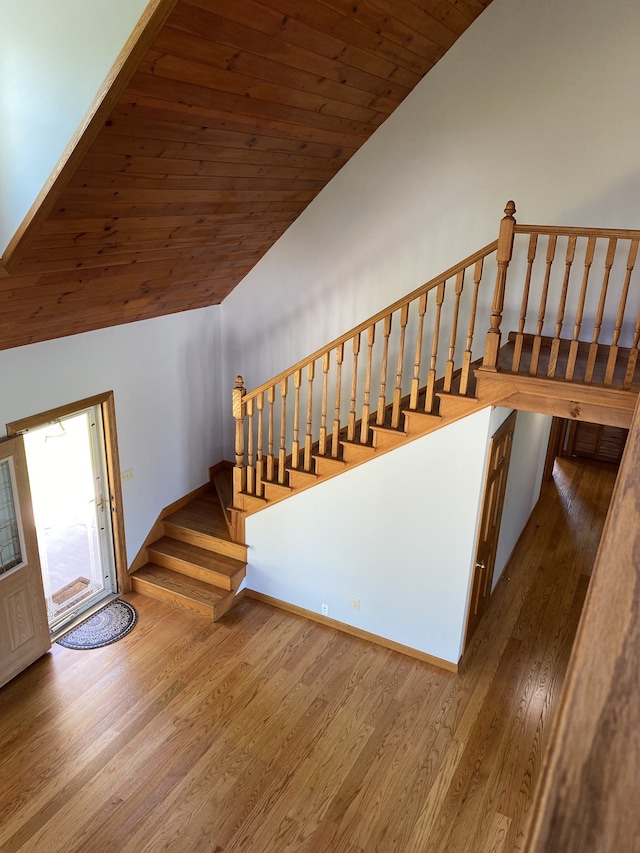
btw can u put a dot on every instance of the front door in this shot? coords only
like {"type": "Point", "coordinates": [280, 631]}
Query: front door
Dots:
{"type": "Point", "coordinates": [491, 516]}
{"type": "Point", "coordinates": [24, 631]}
{"type": "Point", "coordinates": [71, 507]}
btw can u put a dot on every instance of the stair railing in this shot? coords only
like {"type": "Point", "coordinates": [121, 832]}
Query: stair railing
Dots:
{"type": "Point", "coordinates": [401, 358]}
{"type": "Point", "coordinates": [422, 346]}
{"type": "Point", "coordinates": [557, 290]}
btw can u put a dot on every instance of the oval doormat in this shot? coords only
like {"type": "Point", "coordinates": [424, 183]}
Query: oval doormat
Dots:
{"type": "Point", "coordinates": [109, 624]}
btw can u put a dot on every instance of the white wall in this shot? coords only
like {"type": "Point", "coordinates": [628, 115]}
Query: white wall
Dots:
{"type": "Point", "coordinates": [53, 59]}
{"type": "Point", "coordinates": [397, 533]}
{"type": "Point", "coordinates": [534, 102]}
{"type": "Point", "coordinates": [528, 454]}
{"type": "Point", "coordinates": [165, 375]}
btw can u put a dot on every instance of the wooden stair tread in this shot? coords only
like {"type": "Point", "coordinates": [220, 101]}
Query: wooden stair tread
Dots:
{"type": "Point", "coordinates": [182, 584]}
{"type": "Point", "coordinates": [204, 515]}
{"type": "Point", "coordinates": [198, 556]}
{"type": "Point", "coordinates": [182, 591]}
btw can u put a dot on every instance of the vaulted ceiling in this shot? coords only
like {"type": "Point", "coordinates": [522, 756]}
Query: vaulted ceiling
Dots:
{"type": "Point", "coordinates": [220, 122]}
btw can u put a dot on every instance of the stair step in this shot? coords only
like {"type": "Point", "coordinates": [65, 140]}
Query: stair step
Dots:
{"type": "Point", "coordinates": [203, 515]}
{"type": "Point", "coordinates": [220, 545]}
{"type": "Point", "coordinates": [182, 591]}
{"type": "Point", "coordinates": [355, 452]}
{"type": "Point", "coordinates": [187, 559]}
{"type": "Point", "coordinates": [453, 406]}
{"type": "Point", "coordinates": [301, 479]}
{"type": "Point", "coordinates": [386, 438]}
{"type": "Point", "coordinates": [276, 491]}
{"type": "Point", "coordinates": [420, 423]}
{"type": "Point", "coordinates": [206, 523]}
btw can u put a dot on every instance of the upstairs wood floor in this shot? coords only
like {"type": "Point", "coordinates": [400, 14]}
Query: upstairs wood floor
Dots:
{"type": "Point", "coordinates": [266, 732]}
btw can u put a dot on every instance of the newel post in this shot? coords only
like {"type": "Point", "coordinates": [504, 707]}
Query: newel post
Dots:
{"type": "Point", "coordinates": [239, 409]}
{"type": "Point", "coordinates": [503, 256]}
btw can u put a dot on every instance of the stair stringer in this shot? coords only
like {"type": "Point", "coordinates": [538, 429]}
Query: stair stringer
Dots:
{"type": "Point", "coordinates": [453, 407]}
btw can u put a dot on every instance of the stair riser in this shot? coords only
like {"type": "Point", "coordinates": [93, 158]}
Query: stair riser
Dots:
{"type": "Point", "coordinates": [274, 492]}
{"type": "Point", "coordinates": [327, 467]}
{"type": "Point", "coordinates": [387, 440]}
{"type": "Point", "coordinates": [210, 543]}
{"type": "Point", "coordinates": [223, 606]}
{"type": "Point", "coordinates": [301, 479]}
{"type": "Point", "coordinates": [191, 570]}
{"type": "Point", "coordinates": [172, 598]}
{"type": "Point", "coordinates": [354, 454]}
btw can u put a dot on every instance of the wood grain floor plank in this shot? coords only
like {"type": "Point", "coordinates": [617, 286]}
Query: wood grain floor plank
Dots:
{"type": "Point", "coordinates": [265, 732]}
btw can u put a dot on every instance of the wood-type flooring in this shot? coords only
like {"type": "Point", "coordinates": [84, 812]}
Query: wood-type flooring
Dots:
{"type": "Point", "coordinates": [268, 733]}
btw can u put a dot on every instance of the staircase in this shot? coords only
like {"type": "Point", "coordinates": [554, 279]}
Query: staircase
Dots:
{"type": "Point", "coordinates": [192, 561]}
{"type": "Point", "coordinates": [570, 350]}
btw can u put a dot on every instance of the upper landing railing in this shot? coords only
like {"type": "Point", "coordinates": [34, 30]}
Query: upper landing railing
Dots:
{"type": "Point", "coordinates": [565, 296]}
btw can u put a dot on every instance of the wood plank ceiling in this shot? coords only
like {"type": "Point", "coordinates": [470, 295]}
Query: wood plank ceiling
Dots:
{"type": "Point", "coordinates": [225, 120]}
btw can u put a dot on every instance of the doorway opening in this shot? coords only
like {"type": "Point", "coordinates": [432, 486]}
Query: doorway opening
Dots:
{"type": "Point", "coordinates": [74, 494]}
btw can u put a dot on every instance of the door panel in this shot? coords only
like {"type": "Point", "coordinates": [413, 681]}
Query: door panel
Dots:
{"type": "Point", "coordinates": [24, 631]}
{"type": "Point", "coordinates": [490, 518]}
{"type": "Point", "coordinates": [71, 506]}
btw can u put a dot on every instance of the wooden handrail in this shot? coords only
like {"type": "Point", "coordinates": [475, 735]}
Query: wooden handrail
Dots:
{"type": "Point", "coordinates": [570, 231]}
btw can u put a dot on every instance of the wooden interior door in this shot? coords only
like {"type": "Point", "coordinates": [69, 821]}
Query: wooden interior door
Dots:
{"type": "Point", "coordinates": [491, 516]}
{"type": "Point", "coordinates": [24, 630]}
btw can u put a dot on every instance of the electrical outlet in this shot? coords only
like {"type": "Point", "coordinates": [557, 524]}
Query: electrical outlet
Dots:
{"type": "Point", "coordinates": [126, 475]}
{"type": "Point", "coordinates": [324, 609]}
{"type": "Point", "coordinates": [355, 603]}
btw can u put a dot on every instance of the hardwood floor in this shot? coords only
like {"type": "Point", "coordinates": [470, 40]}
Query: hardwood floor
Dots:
{"type": "Point", "coordinates": [265, 732]}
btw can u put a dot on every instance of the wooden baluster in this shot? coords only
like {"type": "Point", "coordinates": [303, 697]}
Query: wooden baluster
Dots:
{"type": "Point", "coordinates": [503, 256]}
{"type": "Point", "coordinates": [335, 436]}
{"type": "Point", "coordinates": [397, 391]}
{"type": "Point", "coordinates": [613, 351]}
{"type": "Point", "coordinates": [282, 453]}
{"type": "Point", "coordinates": [322, 446]}
{"type": "Point", "coordinates": [351, 427]}
{"type": "Point", "coordinates": [593, 348]}
{"type": "Point", "coordinates": [382, 402]}
{"type": "Point", "coordinates": [431, 378]}
{"type": "Point", "coordinates": [517, 349]}
{"type": "Point", "coordinates": [295, 447]}
{"type": "Point", "coordinates": [573, 348]}
{"type": "Point", "coordinates": [308, 439]}
{"type": "Point", "coordinates": [251, 471]}
{"type": "Point", "coordinates": [633, 357]}
{"type": "Point", "coordinates": [238, 409]}
{"type": "Point", "coordinates": [467, 357]}
{"type": "Point", "coordinates": [537, 341]}
{"type": "Point", "coordinates": [555, 344]}
{"type": "Point", "coordinates": [259, 453]}
{"type": "Point", "coordinates": [366, 405]}
{"type": "Point", "coordinates": [415, 382]}
{"type": "Point", "coordinates": [271, 398]}
{"type": "Point", "coordinates": [448, 373]}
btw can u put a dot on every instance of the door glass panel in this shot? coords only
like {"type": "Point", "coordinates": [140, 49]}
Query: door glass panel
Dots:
{"type": "Point", "coordinates": [71, 508]}
{"type": "Point", "coordinates": [10, 546]}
